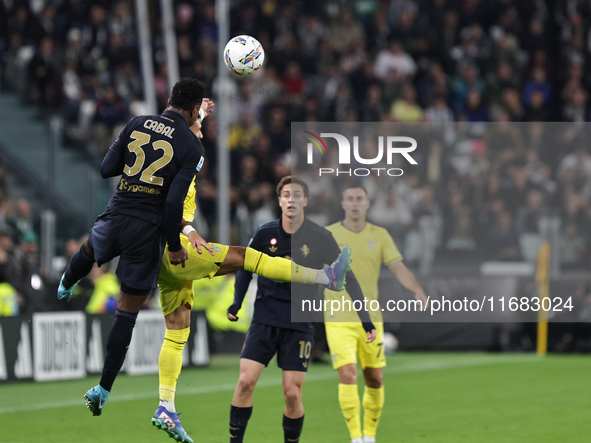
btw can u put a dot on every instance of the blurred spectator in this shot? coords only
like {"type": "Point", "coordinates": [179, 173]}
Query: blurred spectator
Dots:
{"type": "Point", "coordinates": [535, 109]}
{"type": "Point", "coordinates": [537, 83]}
{"type": "Point", "coordinates": [463, 84]}
{"type": "Point", "coordinates": [293, 80]}
{"type": "Point", "coordinates": [528, 216]}
{"type": "Point", "coordinates": [394, 65]}
{"type": "Point", "coordinates": [503, 239]}
{"type": "Point", "coordinates": [512, 105]}
{"type": "Point", "coordinates": [438, 111]}
{"type": "Point", "coordinates": [104, 291]}
{"type": "Point", "coordinates": [340, 105]}
{"type": "Point", "coordinates": [111, 111]}
{"type": "Point", "coordinates": [23, 219]}
{"type": "Point", "coordinates": [575, 108]}
{"type": "Point", "coordinates": [406, 109]}
{"type": "Point", "coordinates": [345, 33]}
{"type": "Point", "coordinates": [42, 73]}
{"type": "Point", "coordinates": [391, 212]}
{"type": "Point", "coordinates": [373, 108]}
{"type": "Point", "coordinates": [474, 109]}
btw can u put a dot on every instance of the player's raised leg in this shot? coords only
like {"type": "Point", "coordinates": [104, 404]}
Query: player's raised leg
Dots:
{"type": "Point", "coordinates": [293, 415]}
{"type": "Point", "coordinates": [170, 364]}
{"type": "Point", "coordinates": [241, 408]}
{"type": "Point", "coordinates": [284, 270]}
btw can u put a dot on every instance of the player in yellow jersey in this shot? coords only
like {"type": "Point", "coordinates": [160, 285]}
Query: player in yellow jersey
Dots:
{"type": "Point", "coordinates": [371, 246]}
{"type": "Point", "coordinates": [176, 297]}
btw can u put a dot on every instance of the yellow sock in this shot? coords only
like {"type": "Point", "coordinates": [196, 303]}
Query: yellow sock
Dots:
{"type": "Point", "coordinates": [349, 401]}
{"type": "Point", "coordinates": [277, 268]}
{"type": "Point", "coordinates": [170, 361]}
{"type": "Point", "coordinates": [373, 403]}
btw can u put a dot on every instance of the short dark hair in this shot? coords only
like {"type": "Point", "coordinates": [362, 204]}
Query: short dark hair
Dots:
{"type": "Point", "coordinates": [187, 93]}
{"type": "Point", "coordinates": [351, 186]}
{"type": "Point", "coordinates": [292, 179]}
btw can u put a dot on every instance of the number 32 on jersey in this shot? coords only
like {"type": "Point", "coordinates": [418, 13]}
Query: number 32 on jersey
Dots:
{"type": "Point", "coordinates": [141, 139]}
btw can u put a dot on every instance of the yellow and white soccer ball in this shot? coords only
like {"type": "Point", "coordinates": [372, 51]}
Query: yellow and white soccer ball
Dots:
{"type": "Point", "coordinates": [244, 55]}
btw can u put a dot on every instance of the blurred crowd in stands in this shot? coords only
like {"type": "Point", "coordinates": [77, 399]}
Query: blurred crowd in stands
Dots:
{"type": "Point", "coordinates": [21, 276]}
{"type": "Point", "coordinates": [438, 61]}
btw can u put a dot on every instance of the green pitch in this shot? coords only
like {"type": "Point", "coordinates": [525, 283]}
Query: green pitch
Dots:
{"type": "Point", "coordinates": [434, 397]}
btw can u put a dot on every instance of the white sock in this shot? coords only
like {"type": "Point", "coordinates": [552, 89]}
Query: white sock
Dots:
{"type": "Point", "coordinates": [169, 405]}
{"type": "Point", "coordinates": [357, 440]}
{"type": "Point", "coordinates": [367, 439]}
{"type": "Point", "coordinates": [322, 279]}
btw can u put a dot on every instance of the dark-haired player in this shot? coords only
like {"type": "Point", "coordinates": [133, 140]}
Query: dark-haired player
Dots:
{"type": "Point", "coordinates": [272, 331]}
{"type": "Point", "coordinates": [157, 157]}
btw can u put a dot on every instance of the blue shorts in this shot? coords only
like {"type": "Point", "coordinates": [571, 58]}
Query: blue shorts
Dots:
{"type": "Point", "coordinates": [292, 347]}
{"type": "Point", "coordinates": [139, 243]}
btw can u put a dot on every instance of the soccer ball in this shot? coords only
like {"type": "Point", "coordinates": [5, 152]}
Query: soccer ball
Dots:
{"type": "Point", "coordinates": [244, 55]}
{"type": "Point", "coordinates": [390, 343]}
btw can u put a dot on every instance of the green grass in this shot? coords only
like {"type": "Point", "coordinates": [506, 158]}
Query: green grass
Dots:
{"type": "Point", "coordinates": [434, 397]}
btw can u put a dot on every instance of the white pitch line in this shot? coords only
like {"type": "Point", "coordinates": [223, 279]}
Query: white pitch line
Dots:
{"type": "Point", "coordinates": [418, 367]}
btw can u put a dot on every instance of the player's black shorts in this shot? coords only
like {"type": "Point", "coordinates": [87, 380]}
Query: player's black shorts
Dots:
{"type": "Point", "coordinates": [139, 243]}
{"type": "Point", "coordinates": [293, 347]}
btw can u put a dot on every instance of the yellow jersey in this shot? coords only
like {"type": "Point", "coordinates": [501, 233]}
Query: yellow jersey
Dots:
{"type": "Point", "coordinates": [189, 204]}
{"type": "Point", "coordinates": [370, 247]}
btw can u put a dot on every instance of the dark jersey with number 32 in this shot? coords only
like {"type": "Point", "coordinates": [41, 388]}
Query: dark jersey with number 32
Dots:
{"type": "Point", "coordinates": [157, 157]}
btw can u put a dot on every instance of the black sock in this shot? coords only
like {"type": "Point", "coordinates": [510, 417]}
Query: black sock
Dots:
{"type": "Point", "coordinates": [292, 429]}
{"type": "Point", "coordinates": [117, 344]}
{"type": "Point", "coordinates": [80, 266]}
{"type": "Point", "coordinates": [238, 421]}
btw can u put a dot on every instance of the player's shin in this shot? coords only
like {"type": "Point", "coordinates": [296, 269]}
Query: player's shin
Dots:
{"type": "Point", "coordinates": [292, 429]}
{"type": "Point", "coordinates": [238, 421]}
{"type": "Point", "coordinates": [280, 269]}
{"type": "Point", "coordinates": [170, 363]}
{"type": "Point", "coordinates": [349, 401]}
{"type": "Point", "coordinates": [373, 403]}
{"type": "Point", "coordinates": [117, 345]}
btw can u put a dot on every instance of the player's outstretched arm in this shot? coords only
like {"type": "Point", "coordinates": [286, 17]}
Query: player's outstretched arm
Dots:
{"type": "Point", "coordinates": [408, 280]}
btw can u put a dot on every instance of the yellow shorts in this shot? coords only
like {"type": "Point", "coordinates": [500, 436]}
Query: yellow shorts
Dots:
{"type": "Point", "coordinates": [176, 282]}
{"type": "Point", "coordinates": [347, 341]}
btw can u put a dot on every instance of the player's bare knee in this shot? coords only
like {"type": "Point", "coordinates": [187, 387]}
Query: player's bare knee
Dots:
{"type": "Point", "coordinates": [374, 383]}
{"type": "Point", "coordinates": [246, 383]}
{"type": "Point", "coordinates": [348, 375]}
{"type": "Point", "coordinates": [374, 379]}
{"type": "Point", "coordinates": [293, 396]}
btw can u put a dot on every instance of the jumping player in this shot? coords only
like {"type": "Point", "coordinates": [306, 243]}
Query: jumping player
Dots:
{"type": "Point", "coordinates": [157, 157]}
